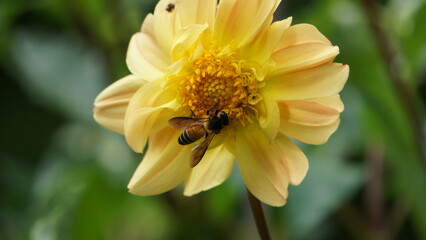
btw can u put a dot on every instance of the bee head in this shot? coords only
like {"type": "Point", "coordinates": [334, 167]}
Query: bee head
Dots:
{"type": "Point", "coordinates": [224, 118]}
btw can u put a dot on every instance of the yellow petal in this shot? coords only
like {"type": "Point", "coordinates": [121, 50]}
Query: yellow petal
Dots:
{"type": "Point", "coordinates": [295, 160]}
{"type": "Point", "coordinates": [196, 12]}
{"type": "Point", "coordinates": [322, 81]}
{"type": "Point", "coordinates": [301, 34]}
{"type": "Point", "coordinates": [149, 110]}
{"type": "Point", "coordinates": [213, 169]}
{"type": "Point", "coordinates": [261, 166]}
{"type": "Point", "coordinates": [302, 56]}
{"type": "Point", "coordinates": [166, 25]}
{"type": "Point", "coordinates": [145, 58]}
{"type": "Point", "coordinates": [164, 166]}
{"type": "Point", "coordinates": [148, 25]}
{"type": "Point", "coordinates": [269, 116]}
{"type": "Point", "coordinates": [111, 103]}
{"type": "Point", "coordinates": [261, 50]}
{"type": "Point", "coordinates": [122, 88]}
{"type": "Point", "coordinates": [186, 38]}
{"type": "Point", "coordinates": [239, 21]}
{"type": "Point", "coordinates": [229, 139]}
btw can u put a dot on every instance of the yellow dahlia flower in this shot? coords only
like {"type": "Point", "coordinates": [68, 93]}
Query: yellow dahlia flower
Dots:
{"type": "Point", "coordinates": [274, 81]}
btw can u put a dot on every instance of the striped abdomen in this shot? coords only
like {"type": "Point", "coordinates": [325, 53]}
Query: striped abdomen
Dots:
{"type": "Point", "coordinates": [191, 135]}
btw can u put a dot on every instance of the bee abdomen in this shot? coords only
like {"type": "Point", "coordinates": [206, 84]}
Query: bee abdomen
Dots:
{"type": "Point", "coordinates": [185, 139]}
{"type": "Point", "coordinates": [191, 135]}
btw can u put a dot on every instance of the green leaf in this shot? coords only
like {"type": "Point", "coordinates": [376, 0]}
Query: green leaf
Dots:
{"type": "Point", "coordinates": [59, 72]}
{"type": "Point", "coordinates": [329, 183]}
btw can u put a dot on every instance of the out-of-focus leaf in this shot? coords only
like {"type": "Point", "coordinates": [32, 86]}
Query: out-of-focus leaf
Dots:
{"type": "Point", "coordinates": [405, 20]}
{"type": "Point", "coordinates": [383, 117]}
{"type": "Point", "coordinates": [9, 10]}
{"type": "Point", "coordinates": [75, 198]}
{"type": "Point", "coordinates": [59, 72]}
{"type": "Point", "coordinates": [46, 228]}
{"type": "Point", "coordinates": [329, 183]}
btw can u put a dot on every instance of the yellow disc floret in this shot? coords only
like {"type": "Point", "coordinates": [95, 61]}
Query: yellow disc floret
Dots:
{"type": "Point", "coordinates": [220, 79]}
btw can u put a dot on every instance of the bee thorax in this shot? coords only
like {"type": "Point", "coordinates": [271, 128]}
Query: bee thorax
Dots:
{"type": "Point", "coordinates": [215, 124]}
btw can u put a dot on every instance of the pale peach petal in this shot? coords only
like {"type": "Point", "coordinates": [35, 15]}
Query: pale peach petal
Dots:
{"type": "Point", "coordinates": [148, 111]}
{"type": "Point", "coordinates": [269, 116]}
{"type": "Point", "coordinates": [307, 112]}
{"type": "Point", "coordinates": [333, 102]}
{"type": "Point", "coordinates": [164, 166]}
{"type": "Point", "coordinates": [261, 50]}
{"type": "Point", "coordinates": [309, 134]}
{"type": "Point", "coordinates": [311, 120]}
{"type": "Point", "coordinates": [186, 38]}
{"type": "Point", "coordinates": [303, 56]}
{"type": "Point", "coordinates": [196, 12]}
{"type": "Point", "coordinates": [111, 103]}
{"type": "Point", "coordinates": [261, 166]}
{"type": "Point", "coordinates": [302, 46]}
{"type": "Point", "coordinates": [295, 160]}
{"type": "Point", "coordinates": [325, 80]}
{"type": "Point", "coordinates": [213, 169]}
{"type": "Point", "coordinates": [301, 34]}
{"type": "Point", "coordinates": [239, 21]}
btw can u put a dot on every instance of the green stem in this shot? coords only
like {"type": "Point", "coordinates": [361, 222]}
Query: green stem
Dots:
{"type": "Point", "coordinates": [406, 96]}
{"type": "Point", "coordinates": [259, 217]}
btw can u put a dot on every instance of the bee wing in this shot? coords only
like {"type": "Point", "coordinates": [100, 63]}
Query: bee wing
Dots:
{"type": "Point", "coordinates": [200, 149]}
{"type": "Point", "coordinates": [186, 122]}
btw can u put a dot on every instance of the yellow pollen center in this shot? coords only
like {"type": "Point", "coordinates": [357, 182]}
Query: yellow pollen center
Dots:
{"type": "Point", "coordinates": [219, 80]}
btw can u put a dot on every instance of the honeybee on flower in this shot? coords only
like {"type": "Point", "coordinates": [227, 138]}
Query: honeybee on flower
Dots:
{"type": "Point", "coordinates": [274, 82]}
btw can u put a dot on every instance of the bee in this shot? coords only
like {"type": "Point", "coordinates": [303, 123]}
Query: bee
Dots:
{"type": "Point", "coordinates": [196, 128]}
{"type": "Point", "coordinates": [170, 7]}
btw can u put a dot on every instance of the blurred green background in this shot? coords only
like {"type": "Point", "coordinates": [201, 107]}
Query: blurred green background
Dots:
{"type": "Point", "coordinates": [64, 177]}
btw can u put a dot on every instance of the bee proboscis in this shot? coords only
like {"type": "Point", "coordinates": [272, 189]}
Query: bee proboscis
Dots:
{"type": "Point", "coordinates": [195, 128]}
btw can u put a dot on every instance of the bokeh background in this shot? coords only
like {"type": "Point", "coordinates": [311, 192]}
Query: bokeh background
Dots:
{"type": "Point", "coordinates": [64, 177]}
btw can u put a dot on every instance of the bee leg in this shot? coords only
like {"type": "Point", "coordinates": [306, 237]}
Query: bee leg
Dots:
{"type": "Point", "coordinates": [213, 107]}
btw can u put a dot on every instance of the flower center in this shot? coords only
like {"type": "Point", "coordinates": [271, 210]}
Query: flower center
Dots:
{"type": "Point", "coordinates": [218, 79]}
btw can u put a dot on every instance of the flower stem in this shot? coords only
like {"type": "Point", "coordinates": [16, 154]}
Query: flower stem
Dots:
{"type": "Point", "coordinates": [405, 93]}
{"type": "Point", "coordinates": [259, 217]}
